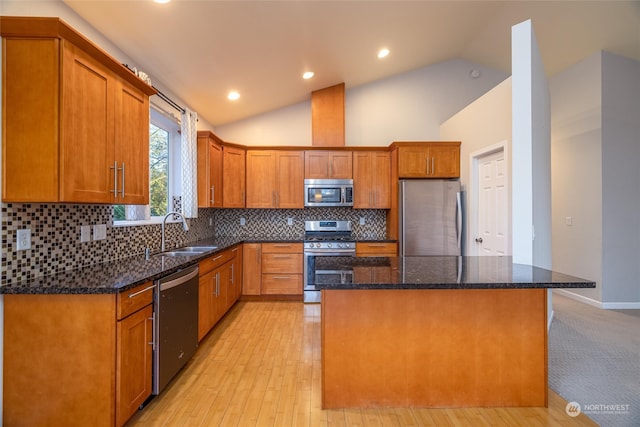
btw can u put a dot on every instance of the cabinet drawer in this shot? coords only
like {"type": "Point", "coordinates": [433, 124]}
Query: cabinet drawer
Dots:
{"type": "Point", "coordinates": [282, 248]}
{"type": "Point", "coordinates": [282, 263]}
{"type": "Point", "coordinates": [376, 249]}
{"type": "Point", "coordinates": [134, 299]}
{"type": "Point", "coordinates": [216, 260]}
{"type": "Point", "coordinates": [282, 284]}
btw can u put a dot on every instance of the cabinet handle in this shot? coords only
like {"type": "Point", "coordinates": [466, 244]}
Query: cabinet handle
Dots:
{"type": "Point", "coordinates": [122, 179]}
{"type": "Point", "coordinates": [277, 199]}
{"type": "Point", "coordinates": [427, 159]}
{"type": "Point", "coordinates": [281, 256]}
{"type": "Point", "coordinates": [153, 331]}
{"type": "Point", "coordinates": [232, 273]}
{"type": "Point", "coordinates": [217, 258]}
{"type": "Point", "coordinates": [432, 168]}
{"type": "Point", "coordinates": [281, 277]}
{"type": "Point", "coordinates": [115, 179]}
{"type": "Point", "coordinates": [281, 245]}
{"type": "Point", "coordinates": [217, 288]}
{"type": "Point", "coordinates": [213, 195]}
{"type": "Point", "coordinates": [142, 291]}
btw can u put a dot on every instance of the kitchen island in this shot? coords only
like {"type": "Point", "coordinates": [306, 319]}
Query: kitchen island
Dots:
{"type": "Point", "coordinates": [435, 332]}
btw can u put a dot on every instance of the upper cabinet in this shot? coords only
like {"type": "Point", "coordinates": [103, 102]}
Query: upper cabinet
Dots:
{"type": "Point", "coordinates": [233, 177]}
{"type": "Point", "coordinates": [91, 141]}
{"type": "Point", "coordinates": [209, 170]}
{"type": "Point", "coordinates": [327, 117]}
{"type": "Point", "coordinates": [428, 159]}
{"type": "Point", "coordinates": [275, 179]}
{"type": "Point", "coordinates": [372, 180]}
{"type": "Point", "coordinates": [328, 164]}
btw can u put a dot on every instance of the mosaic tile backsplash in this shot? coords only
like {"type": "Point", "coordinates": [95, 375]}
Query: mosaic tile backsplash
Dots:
{"type": "Point", "coordinates": [56, 246]}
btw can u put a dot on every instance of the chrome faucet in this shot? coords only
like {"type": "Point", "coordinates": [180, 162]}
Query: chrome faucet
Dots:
{"type": "Point", "coordinates": [185, 226]}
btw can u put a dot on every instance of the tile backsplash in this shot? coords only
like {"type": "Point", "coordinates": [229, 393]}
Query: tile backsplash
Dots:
{"type": "Point", "coordinates": [56, 246]}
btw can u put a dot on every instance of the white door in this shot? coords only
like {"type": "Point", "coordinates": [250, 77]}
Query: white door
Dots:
{"type": "Point", "coordinates": [493, 205]}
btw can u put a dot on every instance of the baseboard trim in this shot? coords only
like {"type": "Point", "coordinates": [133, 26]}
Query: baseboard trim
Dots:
{"type": "Point", "coordinates": [595, 303]}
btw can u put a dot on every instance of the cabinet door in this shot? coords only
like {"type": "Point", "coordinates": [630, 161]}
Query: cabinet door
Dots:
{"type": "Point", "coordinates": [87, 157]}
{"type": "Point", "coordinates": [412, 162]}
{"type": "Point", "coordinates": [133, 370]}
{"type": "Point", "coordinates": [261, 179]}
{"type": "Point", "coordinates": [445, 161]}
{"type": "Point", "coordinates": [206, 289]}
{"type": "Point", "coordinates": [381, 180]}
{"type": "Point", "coordinates": [233, 180]}
{"type": "Point", "coordinates": [341, 165]}
{"type": "Point", "coordinates": [209, 171]}
{"type": "Point", "coordinates": [132, 144]}
{"type": "Point", "coordinates": [251, 268]}
{"type": "Point", "coordinates": [362, 180]}
{"type": "Point", "coordinates": [290, 178]}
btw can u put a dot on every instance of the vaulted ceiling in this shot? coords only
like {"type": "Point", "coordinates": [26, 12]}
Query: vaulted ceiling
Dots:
{"type": "Point", "coordinates": [201, 50]}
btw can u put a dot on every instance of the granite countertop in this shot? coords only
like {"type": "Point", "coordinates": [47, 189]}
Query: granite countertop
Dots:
{"type": "Point", "coordinates": [120, 275]}
{"type": "Point", "coordinates": [439, 272]}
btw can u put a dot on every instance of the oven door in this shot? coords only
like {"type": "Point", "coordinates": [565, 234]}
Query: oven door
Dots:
{"type": "Point", "coordinates": [311, 294]}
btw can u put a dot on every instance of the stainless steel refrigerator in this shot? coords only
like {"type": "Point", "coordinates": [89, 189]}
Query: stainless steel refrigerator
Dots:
{"type": "Point", "coordinates": [430, 217]}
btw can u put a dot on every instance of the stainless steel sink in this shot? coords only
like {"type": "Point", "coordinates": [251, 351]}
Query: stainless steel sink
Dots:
{"type": "Point", "coordinates": [187, 251]}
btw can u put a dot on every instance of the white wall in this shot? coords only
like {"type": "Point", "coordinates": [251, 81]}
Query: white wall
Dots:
{"type": "Point", "coordinates": [577, 172]}
{"type": "Point", "coordinates": [408, 106]}
{"type": "Point", "coordinates": [484, 123]}
{"type": "Point", "coordinates": [61, 10]}
{"type": "Point", "coordinates": [620, 180]}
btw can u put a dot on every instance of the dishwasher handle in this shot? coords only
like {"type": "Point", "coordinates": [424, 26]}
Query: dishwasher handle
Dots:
{"type": "Point", "coordinates": [177, 279]}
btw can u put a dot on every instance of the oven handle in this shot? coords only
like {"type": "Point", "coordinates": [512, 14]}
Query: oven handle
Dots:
{"type": "Point", "coordinates": [331, 252]}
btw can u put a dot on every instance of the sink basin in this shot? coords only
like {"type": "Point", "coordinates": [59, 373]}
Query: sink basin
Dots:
{"type": "Point", "coordinates": [187, 251]}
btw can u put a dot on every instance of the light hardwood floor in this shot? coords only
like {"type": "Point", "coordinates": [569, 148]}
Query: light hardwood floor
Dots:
{"type": "Point", "coordinates": [260, 366]}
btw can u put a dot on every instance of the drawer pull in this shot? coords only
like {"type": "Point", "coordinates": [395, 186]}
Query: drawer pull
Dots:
{"type": "Point", "coordinates": [217, 258]}
{"type": "Point", "coordinates": [281, 277]}
{"type": "Point", "coordinates": [143, 290]}
{"type": "Point", "coordinates": [282, 256]}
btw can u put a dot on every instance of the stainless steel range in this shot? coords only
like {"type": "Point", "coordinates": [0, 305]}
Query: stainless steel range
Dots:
{"type": "Point", "coordinates": [325, 238]}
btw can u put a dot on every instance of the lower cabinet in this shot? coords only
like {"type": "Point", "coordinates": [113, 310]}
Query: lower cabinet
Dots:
{"type": "Point", "coordinates": [272, 269]}
{"type": "Point", "coordinates": [367, 249]}
{"type": "Point", "coordinates": [219, 287]}
{"type": "Point", "coordinates": [375, 274]}
{"type": "Point", "coordinates": [95, 348]}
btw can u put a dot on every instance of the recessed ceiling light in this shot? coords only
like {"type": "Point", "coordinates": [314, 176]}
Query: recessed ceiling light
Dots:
{"type": "Point", "coordinates": [161, 1]}
{"type": "Point", "coordinates": [233, 95]}
{"type": "Point", "coordinates": [383, 53]}
{"type": "Point", "coordinates": [307, 75]}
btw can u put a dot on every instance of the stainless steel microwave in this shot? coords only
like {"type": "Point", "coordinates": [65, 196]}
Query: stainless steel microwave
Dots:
{"type": "Point", "coordinates": [328, 192]}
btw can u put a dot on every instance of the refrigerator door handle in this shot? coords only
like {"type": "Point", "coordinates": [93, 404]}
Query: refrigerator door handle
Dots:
{"type": "Point", "coordinates": [459, 218]}
{"type": "Point", "coordinates": [402, 219]}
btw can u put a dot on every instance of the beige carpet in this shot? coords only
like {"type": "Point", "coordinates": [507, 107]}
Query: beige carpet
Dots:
{"type": "Point", "coordinates": [594, 360]}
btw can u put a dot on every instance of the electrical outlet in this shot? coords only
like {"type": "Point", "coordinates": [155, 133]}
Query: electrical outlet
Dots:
{"type": "Point", "coordinates": [568, 221]}
{"type": "Point", "coordinates": [362, 220]}
{"type": "Point", "coordinates": [85, 233]}
{"type": "Point", "coordinates": [23, 239]}
{"type": "Point", "coordinates": [210, 222]}
{"type": "Point", "coordinates": [242, 221]}
{"type": "Point", "coordinates": [289, 221]}
{"type": "Point", "coordinates": [99, 231]}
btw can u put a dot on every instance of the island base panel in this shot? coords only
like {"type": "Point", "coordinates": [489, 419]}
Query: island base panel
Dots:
{"type": "Point", "coordinates": [434, 348]}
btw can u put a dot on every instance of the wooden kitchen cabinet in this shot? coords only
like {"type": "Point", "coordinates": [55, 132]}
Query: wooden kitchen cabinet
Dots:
{"type": "Point", "coordinates": [210, 190]}
{"type": "Point", "coordinates": [367, 249]}
{"type": "Point", "coordinates": [91, 142]}
{"type": "Point", "coordinates": [97, 348]}
{"type": "Point", "coordinates": [251, 268]}
{"type": "Point", "coordinates": [428, 159]}
{"type": "Point", "coordinates": [233, 177]}
{"type": "Point", "coordinates": [281, 269]}
{"type": "Point", "coordinates": [216, 293]}
{"type": "Point", "coordinates": [275, 179]}
{"type": "Point", "coordinates": [328, 165]}
{"type": "Point", "coordinates": [134, 335]}
{"type": "Point", "coordinates": [372, 180]}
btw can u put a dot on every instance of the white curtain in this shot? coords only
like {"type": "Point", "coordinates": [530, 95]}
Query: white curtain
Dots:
{"type": "Point", "coordinates": [189, 160]}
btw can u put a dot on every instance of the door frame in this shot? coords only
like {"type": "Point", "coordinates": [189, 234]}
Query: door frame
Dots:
{"type": "Point", "coordinates": [473, 211]}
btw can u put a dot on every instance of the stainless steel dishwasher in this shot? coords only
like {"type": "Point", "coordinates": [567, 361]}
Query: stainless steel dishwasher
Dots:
{"type": "Point", "coordinates": [176, 325]}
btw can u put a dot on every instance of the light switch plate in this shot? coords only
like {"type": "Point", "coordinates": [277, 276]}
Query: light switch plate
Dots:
{"type": "Point", "coordinates": [99, 231]}
{"type": "Point", "coordinates": [289, 221]}
{"type": "Point", "coordinates": [23, 239]}
{"type": "Point", "coordinates": [242, 221]}
{"type": "Point", "coordinates": [362, 220]}
{"type": "Point", "coordinates": [85, 233]}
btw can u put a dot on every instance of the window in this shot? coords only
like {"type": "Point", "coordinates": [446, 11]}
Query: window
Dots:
{"type": "Point", "coordinates": [164, 170]}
